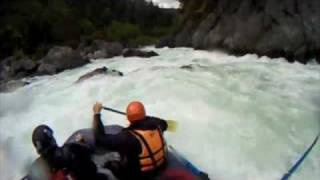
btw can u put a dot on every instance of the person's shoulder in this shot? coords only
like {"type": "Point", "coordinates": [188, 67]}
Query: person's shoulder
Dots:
{"type": "Point", "coordinates": [130, 141]}
{"type": "Point", "coordinates": [125, 133]}
{"type": "Point", "coordinates": [153, 118]}
{"type": "Point", "coordinates": [40, 162]}
{"type": "Point", "coordinates": [39, 169]}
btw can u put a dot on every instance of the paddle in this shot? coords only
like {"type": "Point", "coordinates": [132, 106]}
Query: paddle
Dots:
{"type": "Point", "coordinates": [301, 159]}
{"type": "Point", "coordinates": [172, 124]}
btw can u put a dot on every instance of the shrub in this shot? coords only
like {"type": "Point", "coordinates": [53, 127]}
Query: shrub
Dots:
{"type": "Point", "coordinates": [86, 26]}
{"type": "Point", "coordinates": [123, 32]}
{"type": "Point", "coordinates": [145, 40]}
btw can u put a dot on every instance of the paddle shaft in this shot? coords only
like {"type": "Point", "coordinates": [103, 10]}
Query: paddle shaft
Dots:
{"type": "Point", "coordinates": [113, 110]}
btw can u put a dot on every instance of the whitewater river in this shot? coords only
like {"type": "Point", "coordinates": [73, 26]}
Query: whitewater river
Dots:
{"type": "Point", "coordinates": [240, 118]}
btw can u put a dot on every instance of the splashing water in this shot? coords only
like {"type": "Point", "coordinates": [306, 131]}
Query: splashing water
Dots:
{"type": "Point", "coordinates": [244, 118]}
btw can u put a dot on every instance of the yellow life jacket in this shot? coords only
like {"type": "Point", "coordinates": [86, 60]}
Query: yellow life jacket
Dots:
{"type": "Point", "coordinates": [153, 146]}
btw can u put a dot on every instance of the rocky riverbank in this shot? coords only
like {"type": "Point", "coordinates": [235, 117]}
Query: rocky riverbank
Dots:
{"type": "Point", "coordinates": [58, 59]}
{"type": "Point", "coordinates": [288, 28]}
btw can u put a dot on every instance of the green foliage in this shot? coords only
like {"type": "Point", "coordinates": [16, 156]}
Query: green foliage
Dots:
{"type": "Point", "coordinates": [18, 54]}
{"type": "Point", "coordinates": [86, 27]}
{"type": "Point", "coordinates": [35, 25]}
{"type": "Point", "coordinates": [40, 52]}
{"type": "Point", "coordinates": [145, 40]}
{"type": "Point", "coordinates": [99, 34]}
{"type": "Point", "coordinates": [159, 31]}
{"type": "Point", "coordinates": [106, 17]}
{"type": "Point", "coordinates": [123, 32]}
{"type": "Point", "coordinates": [11, 40]}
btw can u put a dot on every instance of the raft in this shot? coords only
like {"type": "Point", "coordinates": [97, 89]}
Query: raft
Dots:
{"type": "Point", "coordinates": [101, 156]}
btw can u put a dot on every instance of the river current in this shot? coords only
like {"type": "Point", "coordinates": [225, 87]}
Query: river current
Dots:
{"type": "Point", "coordinates": [244, 118]}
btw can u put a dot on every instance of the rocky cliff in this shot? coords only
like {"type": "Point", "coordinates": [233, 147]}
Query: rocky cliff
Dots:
{"type": "Point", "coordinates": [276, 28]}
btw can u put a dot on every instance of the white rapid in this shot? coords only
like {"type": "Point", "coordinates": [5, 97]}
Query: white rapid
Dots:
{"type": "Point", "coordinates": [244, 118]}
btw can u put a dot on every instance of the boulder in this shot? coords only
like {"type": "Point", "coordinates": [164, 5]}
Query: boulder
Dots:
{"type": "Point", "coordinates": [139, 53]}
{"type": "Point", "coordinates": [46, 68]}
{"type": "Point", "coordinates": [101, 49]}
{"type": "Point", "coordinates": [99, 54]}
{"type": "Point", "coordinates": [59, 59]}
{"type": "Point", "coordinates": [113, 49]}
{"type": "Point", "coordinates": [7, 61]}
{"type": "Point", "coordinates": [5, 71]}
{"type": "Point", "coordinates": [24, 65]}
{"type": "Point", "coordinates": [98, 71]}
{"type": "Point", "coordinates": [187, 67]}
{"type": "Point", "coordinates": [191, 67]}
{"type": "Point", "coordinates": [11, 69]}
{"type": "Point", "coordinates": [12, 85]}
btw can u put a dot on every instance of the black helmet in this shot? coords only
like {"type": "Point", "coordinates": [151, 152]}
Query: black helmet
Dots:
{"type": "Point", "coordinates": [42, 138]}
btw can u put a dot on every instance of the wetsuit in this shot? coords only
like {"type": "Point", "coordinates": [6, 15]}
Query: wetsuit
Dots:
{"type": "Point", "coordinates": [72, 158]}
{"type": "Point", "coordinates": [127, 144]}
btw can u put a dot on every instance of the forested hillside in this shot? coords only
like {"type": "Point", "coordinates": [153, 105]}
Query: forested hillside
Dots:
{"type": "Point", "coordinates": [32, 27]}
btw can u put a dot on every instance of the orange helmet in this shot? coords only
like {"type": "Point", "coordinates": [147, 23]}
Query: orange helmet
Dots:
{"type": "Point", "coordinates": [135, 112]}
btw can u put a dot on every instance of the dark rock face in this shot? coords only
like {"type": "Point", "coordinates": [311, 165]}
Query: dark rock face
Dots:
{"type": "Point", "coordinates": [103, 70]}
{"type": "Point", "coordinates": [287, 28]}
{"type": "Point", "coordinates": [59, 59]}
{"type": "Point", "coordinates": [11, 69]}
{"type": "Point", "coordinates": [45, 68]}
{"type": "Point", "coordinates": [139, 53]}
{"type": "Point", "coordinates": [23, 65]}
{"type": "Point", "coordinates": [5, 71]}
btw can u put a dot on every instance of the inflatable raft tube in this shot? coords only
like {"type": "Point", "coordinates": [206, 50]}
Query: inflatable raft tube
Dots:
{"type": "Point", "coordinates": [176, 162]}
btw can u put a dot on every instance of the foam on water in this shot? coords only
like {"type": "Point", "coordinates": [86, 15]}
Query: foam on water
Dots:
{"type": "Point", "coordinates": [245, 118]}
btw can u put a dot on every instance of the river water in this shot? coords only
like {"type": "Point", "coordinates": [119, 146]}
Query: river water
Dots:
{"type": "Point", "coordinates": [244, 118]}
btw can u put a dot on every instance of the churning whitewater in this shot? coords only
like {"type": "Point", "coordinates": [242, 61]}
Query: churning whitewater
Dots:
{"type": "Point", "coordinates": [245, 118]}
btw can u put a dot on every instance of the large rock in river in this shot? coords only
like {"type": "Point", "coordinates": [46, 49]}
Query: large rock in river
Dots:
{"type": "Point", "coordinates": [12, 68]}
{"type": "Point", "coordinates": [139, 53]}
{"type": "Point", "coordinates": [101, 49]}
{"type": "Point", "coordinates": [104, 71]}
{"type": "Point", "coordinates": [59, 59]}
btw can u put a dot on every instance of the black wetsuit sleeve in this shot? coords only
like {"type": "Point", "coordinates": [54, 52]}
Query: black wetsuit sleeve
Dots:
{"type": "Point", "coordinates": [162, 124]}
{"type": "Point", "coordinates": [98, 127]}
{"type": "Point", "coordinates": [113, 142]}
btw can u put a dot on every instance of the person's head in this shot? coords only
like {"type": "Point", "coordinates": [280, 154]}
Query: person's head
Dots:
{"type": "Point", "coordinates": [135, 112]}
{"type": "Point", "coordinates": [42, 139]}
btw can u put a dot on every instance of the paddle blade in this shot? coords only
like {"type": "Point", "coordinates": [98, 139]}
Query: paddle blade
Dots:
{"type": "Point", "coordinates": [172, 125]}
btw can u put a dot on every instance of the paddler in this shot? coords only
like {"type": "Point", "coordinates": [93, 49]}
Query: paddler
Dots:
{"type": "Point", "coordinates": [69, 162]}
{"type": "Point", "coordinates": [141, 143]}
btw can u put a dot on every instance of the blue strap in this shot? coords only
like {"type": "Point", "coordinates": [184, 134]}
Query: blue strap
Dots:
{"type": "Point", "coordinates": [302, 158]}
{"type": "Point", "coordinates": [186, 163]}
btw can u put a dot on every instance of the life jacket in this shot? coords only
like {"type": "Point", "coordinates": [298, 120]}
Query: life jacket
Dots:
{"type": "Point", "coordinates": [154, 149]}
